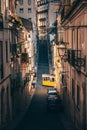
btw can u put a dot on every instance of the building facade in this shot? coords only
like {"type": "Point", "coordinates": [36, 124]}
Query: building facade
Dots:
{"type": "Point", "coordinates": [42, 18]}
{"type": "Point", "coordinates": [5, 75]}
{"type": "Point", "coordinates": [13, 35]}
{"type": "Point", "coordinates": [52, 15]}
{"type": "Point", "coordinates": [27, 9]}
{"type": "Point", "coordinates": [46, 17]}
{"type": "Point", "coordinates": [74, 71]}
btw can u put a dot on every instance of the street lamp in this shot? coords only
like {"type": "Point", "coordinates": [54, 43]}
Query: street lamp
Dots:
{"type": "Point", "coordinates": [62, 50]}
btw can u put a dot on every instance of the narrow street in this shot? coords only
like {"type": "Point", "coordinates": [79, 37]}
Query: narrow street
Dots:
{"type": "Point", "coordinates": [37, 117]}
{"type": "Point", "coordinates": [32, 108]}
{"type": "Point", "coordinates": [43, 65]}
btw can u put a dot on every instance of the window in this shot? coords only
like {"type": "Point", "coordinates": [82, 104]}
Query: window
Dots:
{"type": "Point", "coordinates": [29, 2]}
{"type": "Point", "coordinates": [29, 35]}
{"type": "Point", "coordinates": [78, 97]}
{"type": "Point", "coordinates": [63, 79]}
{"type": "Point", "coordinates": [21, 2]}
{"type": "Point", "coordinates": [6, 51]}
{"type": "Point", "coordinates": [1, 61]}
{"type": "Point", "coordinates": [1, 22]}
{"type": "Point", "coordinates": [14, 48]}
{"type": "Point", "coordinates": [73, 89]}
{"type": "Point", "coordinates": [21, 10]}
{"type": "Point", "coordinates": [30, 19]}
{"type": "Point", "coordinates": [29, 10]}
{"type": "Point", "coordinates": [60, 35]}
{"type": "Point", "coordinates": [52, 80]}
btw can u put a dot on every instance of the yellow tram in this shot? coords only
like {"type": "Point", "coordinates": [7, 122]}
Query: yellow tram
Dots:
{"type": "Point", "coordinates": [48, 80]}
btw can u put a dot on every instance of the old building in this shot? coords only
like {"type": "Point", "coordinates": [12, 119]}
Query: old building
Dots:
{"type": "Point", "coordinates": [27, 10]}
{"type": "Point", "coordinates": [5, 75]}
{"type": "Point", "coordinates": [13, 35]}
{"type": "Point", "coordinates": [42, 18]}
{"type": "Point", "coordinates": [73, 28]}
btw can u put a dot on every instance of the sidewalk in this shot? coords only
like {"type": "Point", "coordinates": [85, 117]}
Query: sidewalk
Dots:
{"type": "Point", "coordinates": [17, 119]}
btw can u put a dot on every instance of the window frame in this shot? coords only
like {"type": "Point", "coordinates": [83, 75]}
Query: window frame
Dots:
{"type": "Point", "coordinates": [21, 10]}
{"type": "Point", "coordinates": [29, 10]}
{"type": "Point", "coordinates": [21, 2]}
{"type": "Point", "coordinates": [29, 2]}
{"type": "Point", "coordinates": [30, 19]}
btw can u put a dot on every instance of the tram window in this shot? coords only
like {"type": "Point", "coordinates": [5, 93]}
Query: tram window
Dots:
{"type": "Point", "coordinates": [48, 78]}
{"type": "Point", "coordinates": [52, 79]}
{"type": "Point", "coordinates": [45, 78]}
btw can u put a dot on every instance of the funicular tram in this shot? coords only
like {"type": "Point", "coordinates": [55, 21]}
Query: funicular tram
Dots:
{"type": "Point", "coordinates": [48, 80]}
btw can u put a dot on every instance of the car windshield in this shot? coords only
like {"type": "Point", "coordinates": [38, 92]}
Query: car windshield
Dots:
{"type": "Point", "coordinates": [53, 93]}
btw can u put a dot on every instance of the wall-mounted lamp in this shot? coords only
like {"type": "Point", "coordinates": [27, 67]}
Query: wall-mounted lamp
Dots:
{"type": "Point", "coordinates": [62, 50]}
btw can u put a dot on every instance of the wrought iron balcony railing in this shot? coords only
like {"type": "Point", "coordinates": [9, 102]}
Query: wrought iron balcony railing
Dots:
{"type": "Point", "coordinates": [42, 11]}
{"type": "Point", "coordinates": [24, 58]}
{"type": "Point", "coordinates": [75, 58]}
{"type": "Point", "coordinates": [42, 19]}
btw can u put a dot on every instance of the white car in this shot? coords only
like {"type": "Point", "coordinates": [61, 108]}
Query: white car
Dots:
{"type": "Point", "coordinates": [53, 94]}
{"type": "Point", "coordinates": [53, 100]}
{"type": "Point", "coordinates": [51, 89]}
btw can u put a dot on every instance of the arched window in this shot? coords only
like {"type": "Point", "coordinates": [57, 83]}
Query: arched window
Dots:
{"type": "Point", "coordinates": [21, 2]}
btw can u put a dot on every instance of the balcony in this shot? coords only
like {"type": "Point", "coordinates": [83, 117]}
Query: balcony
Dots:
{"type": "Point", "coordinates": [14, 48]}
{"type": "Point", "coordinates": [24, 58]}
{"type": "Point", "coordinates": [42, 19]}
{"type": "Point", "coordinates": [42, 11]}
{"type": "Point", "coordinates": [67, 9]}
{"type": "Point", "coordinates": [75, 58]}
{"type": "Point", "coordinates": [71, 57]}
{"type": "Point", "coordinates": [42, 26]}
{"type": "Point", "coordinates": [15, 22]}
{"type": "Point", "coordinates": [42, 3]}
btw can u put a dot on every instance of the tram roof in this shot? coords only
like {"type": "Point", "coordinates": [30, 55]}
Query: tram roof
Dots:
{"type": "Point", "coordinates": [47, 75]}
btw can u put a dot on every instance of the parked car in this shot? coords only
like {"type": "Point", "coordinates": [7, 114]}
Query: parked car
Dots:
{"type": "Point", "coordinates": [52, 104]}
{"type": "Point", "coordinates": [51, 89]}
{"type": "Point", "coordinates": [53, 100]}
{"type": "Point", "coordinates": [53, 93]}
